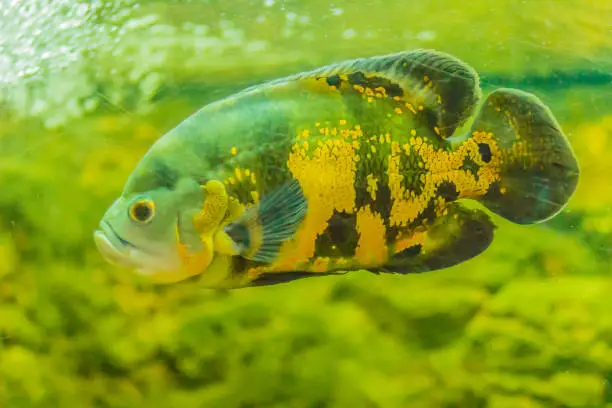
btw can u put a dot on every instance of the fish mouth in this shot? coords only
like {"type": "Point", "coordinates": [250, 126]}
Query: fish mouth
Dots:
{"type": "Point", "coordinates": [113, 248]}
{"type": "Point", "coordinates": [110, 229]}
{"type": "Point", "coordinates": [120, 252]}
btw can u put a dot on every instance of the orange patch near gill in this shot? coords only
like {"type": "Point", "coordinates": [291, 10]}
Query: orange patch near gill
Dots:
{"type": "Point", "coordinates": [196, 261]}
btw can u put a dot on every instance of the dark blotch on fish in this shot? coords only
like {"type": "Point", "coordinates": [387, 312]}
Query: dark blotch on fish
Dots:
{"type": "Point", "coordinates": [494, 192]}
{"type": "Point", "coordinates": [340, 237]}
{"type": "Point", "coordinates": [431, 117]}
{"type": "Point", "coordinates": [164, 175]}
{"type": "Point", "coordinates": [333, 80]}
{"type": "Point", "coordinates": [485, 152]}
{"type": "Point", "coordinates": [392, 89]}
{"type": "Point", "coordinates": [239, 233]}
{"type": "Point", "coordinates": [357, 78]}
{"type": "Point", "coordinates": [410, 251]}
{"type": "Point", "coordinates": [428, 215]}
{"type": "Point", "coordinates": [448, 191]}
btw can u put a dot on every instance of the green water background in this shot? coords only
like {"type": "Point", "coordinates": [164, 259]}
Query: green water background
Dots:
{"type": "Point", "coordinates": [526, 324]}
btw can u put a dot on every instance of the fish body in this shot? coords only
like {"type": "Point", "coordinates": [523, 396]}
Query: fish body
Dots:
{"type": "Point", "coordinates": [355, 165]}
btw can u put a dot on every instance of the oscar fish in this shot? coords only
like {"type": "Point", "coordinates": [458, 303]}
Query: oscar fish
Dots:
{"type": "Point", "coordinates": [365, 164]}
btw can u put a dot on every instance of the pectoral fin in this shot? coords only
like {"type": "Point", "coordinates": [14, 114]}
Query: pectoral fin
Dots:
{"type": "Point", "coordinates": [259, 233]}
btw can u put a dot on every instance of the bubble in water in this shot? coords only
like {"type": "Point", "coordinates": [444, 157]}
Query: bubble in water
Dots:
{"type": "Point", "coordinates": [349, 33]}
{"type": "Point", "coordinates": [38, 36]}
{"type": "Point", "coordinates": [426, 35]}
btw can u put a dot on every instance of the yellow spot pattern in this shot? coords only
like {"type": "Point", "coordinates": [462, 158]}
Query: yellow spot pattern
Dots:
{"type": "Point", "coordinates": [372, 246]}
{"type": "Point", "coordinates": [325, 160]}
{"type": "Point", "coordinates": [372, 185]}
{"type": "Point", "coordinates": [326, 173]}
{"type": "Point", "coordinates": [440, 166]}
{"type": "Point", "coordinates": [214, 207]}
{"type": "Point", "coordinates": [369, 95]}
{"type": "Point", "coordinates": [326, 168]}
{"type": "Point", "coordinates": [320, 264]}
{"type": "Point", "coordinates": [244, 178]}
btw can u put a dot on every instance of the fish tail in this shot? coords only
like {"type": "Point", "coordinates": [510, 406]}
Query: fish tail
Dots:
{"type": "Point", "coordinates": [536, 168]}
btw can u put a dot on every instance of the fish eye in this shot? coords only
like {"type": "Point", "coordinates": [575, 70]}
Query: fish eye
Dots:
{"type": "Point", "coordinates": [142, 211]}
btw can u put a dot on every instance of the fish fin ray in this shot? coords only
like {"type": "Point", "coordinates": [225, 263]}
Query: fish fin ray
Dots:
{"type": "Point", "coordinates": [537, 180]}
{"type": "Point", "coordinates": [268, 279]}
{"type": "Point", "coordinates": [445, 86]}
{"type": "Point", "coordinates": [450, 240]}
{"type": "Point", "coordinates": [260, 232]}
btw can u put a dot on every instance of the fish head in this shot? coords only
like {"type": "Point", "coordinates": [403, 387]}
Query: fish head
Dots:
{"type": "Point", "coordinates": [140, 230]}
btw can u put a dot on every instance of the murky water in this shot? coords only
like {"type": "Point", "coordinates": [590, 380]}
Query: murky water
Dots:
{"type": "Point", "coordinates": [87, 87]}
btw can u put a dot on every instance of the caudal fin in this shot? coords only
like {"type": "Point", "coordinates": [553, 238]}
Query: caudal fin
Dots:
{"type": "Point", "coordinates": [538, 169]}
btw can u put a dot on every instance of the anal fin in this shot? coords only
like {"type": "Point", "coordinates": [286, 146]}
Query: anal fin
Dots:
{"type": "Point", "coordinates": [454, 238]}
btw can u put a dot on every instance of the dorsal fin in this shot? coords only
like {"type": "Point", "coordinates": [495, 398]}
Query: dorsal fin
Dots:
{"type": "Point", "coordinates": [440, 83]}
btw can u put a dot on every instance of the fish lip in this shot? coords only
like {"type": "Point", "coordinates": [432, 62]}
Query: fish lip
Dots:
{"type": "Point", "coordinates": [112, 246]}
{"type": "Point", "coordinates": [120, 252]}
{"type": "Point", "coordinates": [114, 254]}
{"type": "Point", "coordinates": [107, 228]}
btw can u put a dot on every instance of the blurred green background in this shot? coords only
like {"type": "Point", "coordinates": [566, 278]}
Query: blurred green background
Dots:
{"type": "Point", "coordinates": [86, 87]}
